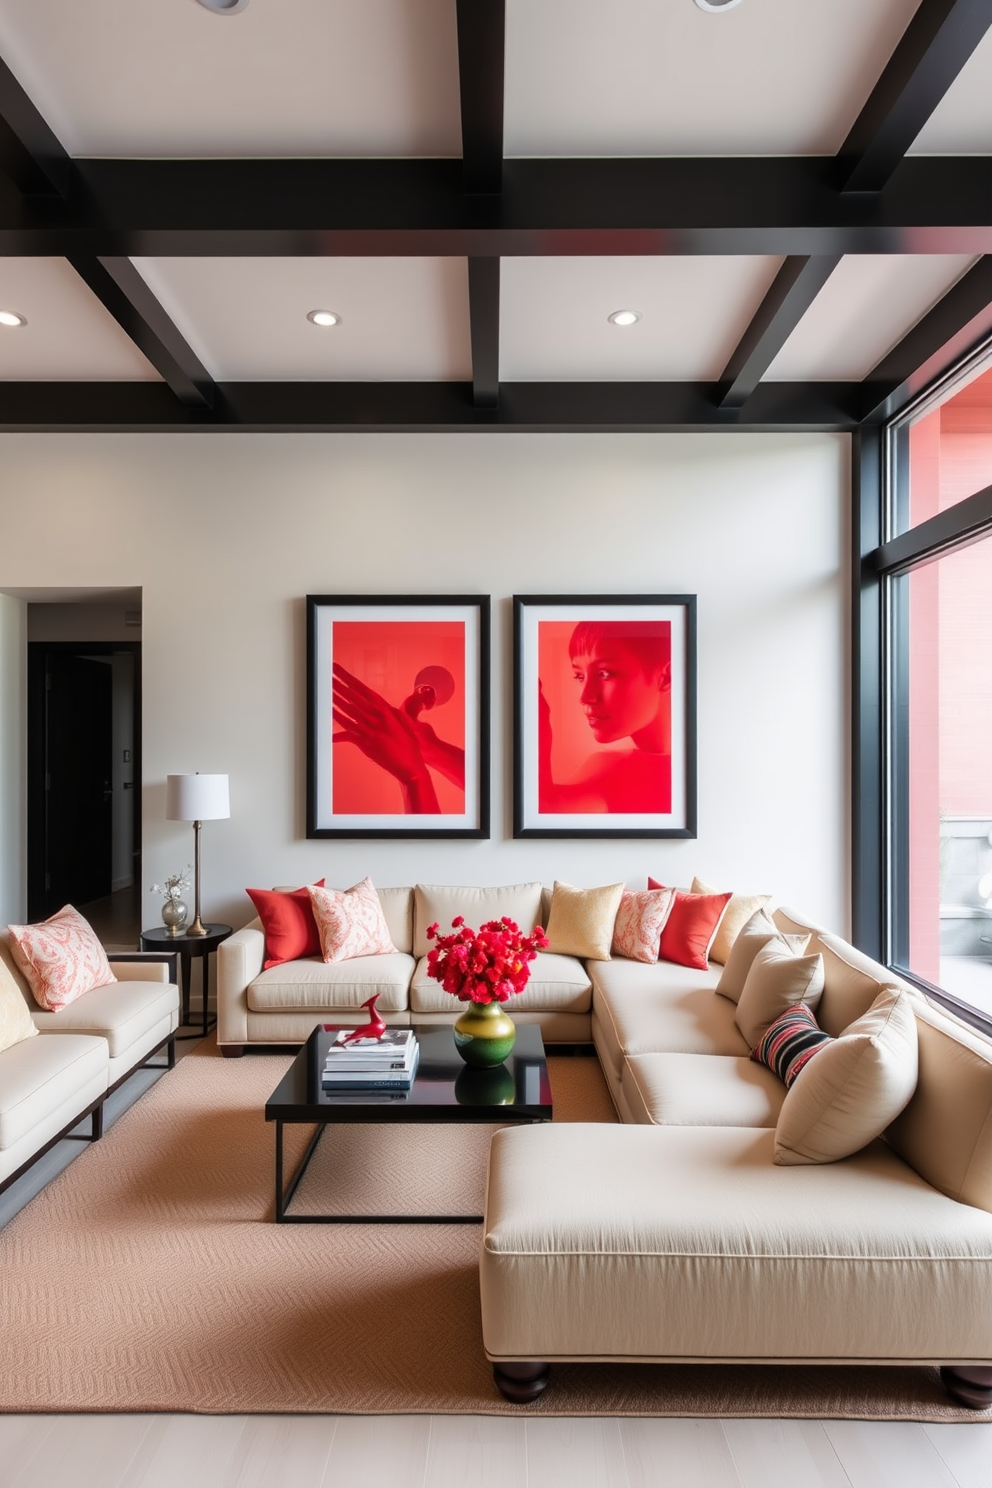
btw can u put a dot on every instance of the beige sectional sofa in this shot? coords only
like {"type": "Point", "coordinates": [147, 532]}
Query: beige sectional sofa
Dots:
{"type": "Point", "coordinates": [676, 1237]}
{"type": "Point", "coordinates": [50, 1083]}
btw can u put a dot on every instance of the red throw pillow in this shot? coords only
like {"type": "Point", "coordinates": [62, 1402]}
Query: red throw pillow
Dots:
{"type": "Point", "coordinates": [691, 927]}
{"type": "Point", "coordinates": [287, 919]}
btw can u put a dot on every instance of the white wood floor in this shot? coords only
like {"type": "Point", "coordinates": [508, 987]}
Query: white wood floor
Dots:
{"type": "Point", "coordinates": [484, 1452]}
{"type": "Point", "coordinates": [150, 1451]}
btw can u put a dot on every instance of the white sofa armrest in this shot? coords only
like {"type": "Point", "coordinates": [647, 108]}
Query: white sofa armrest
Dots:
{"type": "Point", "coordinates": [239, 961]}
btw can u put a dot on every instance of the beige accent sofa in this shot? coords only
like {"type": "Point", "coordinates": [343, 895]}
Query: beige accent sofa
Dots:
{"type": "Point", "coordinates": [283, 1005]}
{"type": "Point", "coordinates": [674, 1237]}
{"type": "Point", "coordinates": [50, 1083]}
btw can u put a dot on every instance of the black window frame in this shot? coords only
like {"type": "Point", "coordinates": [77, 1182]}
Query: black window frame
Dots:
{"type": "Point", "coordinates": [884, 549]}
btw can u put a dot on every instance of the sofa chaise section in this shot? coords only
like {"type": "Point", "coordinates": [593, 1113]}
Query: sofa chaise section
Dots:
{"type": "Point", "coordinates": [689, 1244]}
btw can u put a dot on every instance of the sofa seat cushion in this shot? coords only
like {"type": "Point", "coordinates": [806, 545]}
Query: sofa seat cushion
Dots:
{"type": "Point", "coordinates": [662, 1009]}
{"type": "Point", "coordinates": [40, 1074]}
{"type": "Point", "coordinates": [690, 1243]}
{"type": "Point", "coordinates": [557, 984]}
{"type": "Point", "coordinates": [121, 1013]}
{"type": "Point", "coordinates": [331, 985]}
{"type": "Point", "coordinates": [700, 1090]}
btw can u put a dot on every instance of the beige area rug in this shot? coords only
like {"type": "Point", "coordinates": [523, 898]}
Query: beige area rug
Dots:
{"type": "Point", "coordinates": [149, 1277]}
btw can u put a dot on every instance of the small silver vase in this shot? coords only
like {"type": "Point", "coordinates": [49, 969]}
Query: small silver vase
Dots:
{"type": "Point", "coordinates": [175, 915]}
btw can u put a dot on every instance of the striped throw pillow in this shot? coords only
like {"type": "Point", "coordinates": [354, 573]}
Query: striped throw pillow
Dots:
{"type": "Point", "coordinates": [790, 1043]}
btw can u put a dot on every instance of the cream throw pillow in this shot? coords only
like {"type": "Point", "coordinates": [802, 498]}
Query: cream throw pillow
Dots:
{"type": "Point", "coordinates": [757, 933]}
{"type": "Point", "coordinates": [581, 920]}
{"type": "Point", "coordinates": [15, 1017]}
{"type": "Point", "coordinates": [854, 1088]}
{"type": "Point", "coordinates": [738, 913]}
{"type": "Point", "coordinates": [777, 981]}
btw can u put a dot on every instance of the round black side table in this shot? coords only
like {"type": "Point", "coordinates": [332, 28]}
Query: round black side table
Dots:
{"type": "Point", "coordinates": [189, 946]}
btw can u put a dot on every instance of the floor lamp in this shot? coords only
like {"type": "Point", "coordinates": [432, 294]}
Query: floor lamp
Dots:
{"type": "Point", "coordinates": [196, 799]}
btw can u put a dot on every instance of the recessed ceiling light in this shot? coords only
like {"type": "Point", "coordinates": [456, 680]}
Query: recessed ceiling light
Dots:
{"type": "Point", "coordinates": [324, 317]}
{"type": "Point", "coordinates": [717, 4]}
{"type": "Point", "coordinates": [224, 7]}
{"type": "Point", "coordinates": [624, 317]}
{"type": "Point", "coordinates": [11, 318]}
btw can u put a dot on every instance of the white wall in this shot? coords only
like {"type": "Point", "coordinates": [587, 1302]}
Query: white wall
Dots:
{"type": "Point", "coordinates": [13, 763]}
{"type": "Point", "coordinates": [226, 534]}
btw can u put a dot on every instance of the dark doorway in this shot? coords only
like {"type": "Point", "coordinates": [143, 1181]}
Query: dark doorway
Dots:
{"type": "Point", "coordinates": [71, 773]}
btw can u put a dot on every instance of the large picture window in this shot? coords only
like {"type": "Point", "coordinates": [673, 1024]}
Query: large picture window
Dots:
{"type": "Point", "coordinates": [936, 571]}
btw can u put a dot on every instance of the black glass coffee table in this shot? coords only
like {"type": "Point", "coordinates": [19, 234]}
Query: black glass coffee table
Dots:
{"type": "Point", "coordinates": [444, 1090]}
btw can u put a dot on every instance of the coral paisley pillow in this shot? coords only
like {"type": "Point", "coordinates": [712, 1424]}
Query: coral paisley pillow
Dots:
{"type": "Point", "coordinates": [287, 918]}
{"type": "Point", "coordinates": [60, 959]}
{"type": "Point", "coordinates": [639, 923]}
{"type": "Point", "coordinates": [350, 921]}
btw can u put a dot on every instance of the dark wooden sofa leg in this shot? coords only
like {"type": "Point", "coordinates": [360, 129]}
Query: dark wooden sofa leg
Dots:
{"type": "Point", "coordinates": [232, 1051]}
{"type": "Point", "coordinates": [97, 1123]}
{"type": "Point", "coordinates": [522, 1382]}
{"type": "Point", "coordinates": [971, 1386]}
{"type": "Point", "coordinates": [170, 1053]}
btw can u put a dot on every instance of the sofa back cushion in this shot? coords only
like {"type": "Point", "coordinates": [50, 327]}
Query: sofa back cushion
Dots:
{"type": "Point", "coordinates": [851, 982]}
{"type": "Point", "coordinates": [441, 903]}
{"type": "Point", "coordinates": [945, 1132]}
{"type": "Point", "coordinates": [397, 909]}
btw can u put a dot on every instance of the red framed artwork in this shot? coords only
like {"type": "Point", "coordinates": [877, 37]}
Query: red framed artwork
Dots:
{"type": "Point", "coordinates": [605, 739]}
{"type": "Point", "coordinates": [397, 716]}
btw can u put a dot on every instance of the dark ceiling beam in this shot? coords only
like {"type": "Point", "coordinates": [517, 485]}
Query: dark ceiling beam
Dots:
{"type": "Point", "coordinates": [244, 208]}
{"type": "Point", "coordinates": [117, 283]}
{"type": "Point", "coordinates": [957, 325]}
{"type": "Point", "coordinates": [483, 300]}
{"type": "Point", "coordinates": [795, 287]}
{"type": "Point", "coordinates": [444, 407]}
{"type": "Point", "coordinates": [481, 32]}
{"type": "Point", "coordinates": [937, 43]}
{"type": "Point", "coordinates": [31, 155]}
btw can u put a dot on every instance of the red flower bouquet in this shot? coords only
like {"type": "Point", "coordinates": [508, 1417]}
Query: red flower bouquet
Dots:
{"type": "Point", "coordinates": [485, 965]}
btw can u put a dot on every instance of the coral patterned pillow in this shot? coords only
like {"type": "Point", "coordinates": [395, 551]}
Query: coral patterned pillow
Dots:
{"type": "Point", "coordinates": [639, 923]}
{"type": "Point", "coordinates": [60, 959]}
{"type": "Point", "coordinates": [350, 921]}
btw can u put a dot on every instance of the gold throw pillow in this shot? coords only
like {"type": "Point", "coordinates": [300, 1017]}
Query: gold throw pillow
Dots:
{"type": "Point", "coordinates": [581, 920]}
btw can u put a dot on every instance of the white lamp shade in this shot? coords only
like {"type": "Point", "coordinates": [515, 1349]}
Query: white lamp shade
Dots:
{"type": "Point", "coordinates": [196, 798]}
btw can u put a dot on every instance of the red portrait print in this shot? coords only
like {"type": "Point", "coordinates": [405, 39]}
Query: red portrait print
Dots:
{"type": "Point", "coordinates": [398, 740]}
{"type": "Point", "coordinates": [604, 716]}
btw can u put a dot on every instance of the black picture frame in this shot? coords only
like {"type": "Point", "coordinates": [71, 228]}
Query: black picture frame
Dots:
{"type": "Point", "coordinates": [609, 777]}
{"type": "Point", "coordinates": [384, 664]}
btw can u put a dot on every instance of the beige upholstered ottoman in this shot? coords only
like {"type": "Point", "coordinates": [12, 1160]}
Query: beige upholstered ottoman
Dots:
{"type": "Point", "coordinates": [668, 1243]}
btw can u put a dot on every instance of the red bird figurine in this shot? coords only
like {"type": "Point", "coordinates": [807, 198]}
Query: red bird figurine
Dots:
{"type": "Point", "coordinates": [373, 1029]}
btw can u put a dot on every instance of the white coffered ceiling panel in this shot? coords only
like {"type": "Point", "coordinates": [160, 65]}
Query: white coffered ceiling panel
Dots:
{"type": "Point", "coordinates": [554, 316]}
{"type": "Point", "coordinates": [661, 77]}
{"type": "Point", "coordinates": [866, 306]}
{"type": "Point", "coordinates": [402, 319]}
{"type": "Point", "coordinates": [283, 77]}
{"type": "Point", "coordinates": [69, 336]}
{"type": "Point", "coordinates": [961, 124]}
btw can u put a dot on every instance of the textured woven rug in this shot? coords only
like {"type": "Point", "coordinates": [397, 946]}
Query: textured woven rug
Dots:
{"type": "Point", "coordinates": [149, 1277]}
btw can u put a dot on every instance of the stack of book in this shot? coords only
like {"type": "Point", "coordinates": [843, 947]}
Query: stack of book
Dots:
{"type": "Point", "coordinates": [386, 1063]}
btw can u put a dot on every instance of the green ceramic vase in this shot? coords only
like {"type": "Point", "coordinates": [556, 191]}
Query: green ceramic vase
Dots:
{"type": "Point", "coordinates": [484, 1035]}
